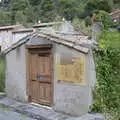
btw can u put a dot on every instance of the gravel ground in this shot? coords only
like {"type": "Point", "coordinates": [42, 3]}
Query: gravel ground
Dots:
{"type": "Point", "coordinates": [6, 114]}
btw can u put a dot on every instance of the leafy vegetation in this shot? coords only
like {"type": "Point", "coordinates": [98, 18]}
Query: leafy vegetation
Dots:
{"type": "Point", "coordinates": [80, 12]}
{"type": "Point", "coordinates": [32, 11]}
{"type": "Point", "coordinates": [2, 74]}
{"type": "Point", "coordinates": [107, 91]}
{"type": "Point", "coordinates": [104, 18]}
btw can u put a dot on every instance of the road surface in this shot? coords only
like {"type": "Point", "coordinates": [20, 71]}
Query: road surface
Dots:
{"type": "Point", "coordinates": [6, 114]}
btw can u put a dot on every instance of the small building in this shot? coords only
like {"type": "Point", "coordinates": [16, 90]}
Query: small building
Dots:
{"type": "Point", "coordinates": [11, 34]}
{"type": "Point", "coordinates": [52, 68]}
{"type": "Point", "coordinates": [20, 33]}
{"type": "Point", "coordinates": [6, 35]}
{"type": "Point", "coordinates": [44, 25]}
{"type": "Point", "coordinates": [115, 15]}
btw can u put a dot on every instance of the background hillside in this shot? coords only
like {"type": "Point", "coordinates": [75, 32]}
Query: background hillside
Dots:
{"type": "Point", "coordinates": [30, 12]}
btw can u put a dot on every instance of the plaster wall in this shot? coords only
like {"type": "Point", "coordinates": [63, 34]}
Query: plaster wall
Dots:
{"type": "Point", "coordinates": [5, 38]}
{"type": "Point", "coordinates": [18, 35]}
{"type": "Point", "coordinates": [16, 74]}
{"type": "Point", "coordinates": [70, 98]}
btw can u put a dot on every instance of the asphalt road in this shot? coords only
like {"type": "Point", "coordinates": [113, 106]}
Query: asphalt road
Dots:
{"type": "Point", "coordinates": [6, 114]}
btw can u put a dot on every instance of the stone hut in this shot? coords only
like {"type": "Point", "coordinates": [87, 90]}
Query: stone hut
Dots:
{"type": "Point", "coordinates": [52, 68]}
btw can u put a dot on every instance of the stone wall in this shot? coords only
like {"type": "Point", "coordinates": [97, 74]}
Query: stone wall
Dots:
{"type": "Point", "coordinates": [72, 98]}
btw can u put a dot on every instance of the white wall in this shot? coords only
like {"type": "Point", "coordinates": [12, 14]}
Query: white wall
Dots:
{"type": "Point", "coordinates": [16, 74]}
{"type": "Point", "coordinates": [69, 98]}
{"type": "Point", "coordinates": [19, 35]}
{"type": "Point", "coordinates": [5, 38]}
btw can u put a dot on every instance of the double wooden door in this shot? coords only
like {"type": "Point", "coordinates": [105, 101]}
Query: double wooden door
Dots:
{"type": "Point", "coordinates": [40, 76]}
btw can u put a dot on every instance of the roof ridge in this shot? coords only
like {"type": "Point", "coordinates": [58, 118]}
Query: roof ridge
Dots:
{"type": "Point", "coordinates": [54, 38]}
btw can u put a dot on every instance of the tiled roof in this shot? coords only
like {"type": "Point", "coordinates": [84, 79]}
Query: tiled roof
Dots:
{"type": "Point", "coordinates": [115, 12]}
{"type": "Point", "coordinates": [64, 36]}
{"type": "Point", "coordinates": [24, 30]}
{"type": "Point", "coordinates": [8, 27]}
{"type": "Point", "coordinates": [77, 42]}
{"type": "Point", "coordinates": [46, 24]}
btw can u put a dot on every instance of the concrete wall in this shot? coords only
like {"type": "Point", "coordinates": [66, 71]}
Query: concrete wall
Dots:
{"type": "Point", "coordinates": [16, 71]}
{"type": "Point", "coordinates": [19, 35]}
{"type": "Point", "coordinates": [70, 98]}
{"type": "Point", "coordinates": [16, 74]}
{"type": "Point", "coordinates": [5, 38]}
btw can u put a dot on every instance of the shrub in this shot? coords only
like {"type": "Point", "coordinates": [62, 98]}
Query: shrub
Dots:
{"type": "Point", "coordinates": [2, 74]}
{"type": "Point", "coordinates": [104, 18]}
{"type": "Point", "coordinates": [88, 21]}
{"type": "Point", "coordinates": [79, 25]}
{"type": "Point", "coordinates": [107, 90]}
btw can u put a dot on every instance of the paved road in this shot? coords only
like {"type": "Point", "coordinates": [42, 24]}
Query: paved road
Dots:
{"type": "Point", "coordinates": [6, 114]}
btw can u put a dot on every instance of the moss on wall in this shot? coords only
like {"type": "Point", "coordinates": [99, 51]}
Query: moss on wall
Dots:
{"type": "Point", "coordinates": [2, 73]}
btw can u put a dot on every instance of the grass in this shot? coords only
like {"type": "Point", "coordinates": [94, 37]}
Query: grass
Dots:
{"type": "Point", "coordinates": [2, 107]}
{"type": "Point", "coordinates": [2, 74]}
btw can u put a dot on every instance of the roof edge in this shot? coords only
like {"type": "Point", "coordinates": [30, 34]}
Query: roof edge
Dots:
{"type": "Point", "coordinates": [56, 39]}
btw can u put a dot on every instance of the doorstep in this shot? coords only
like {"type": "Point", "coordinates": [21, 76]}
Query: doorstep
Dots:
{"type": "Point", "coordinates": [39, 112]}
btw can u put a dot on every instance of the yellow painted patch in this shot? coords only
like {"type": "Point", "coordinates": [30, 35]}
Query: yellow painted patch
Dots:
{"type": "Point", "coordinates": [73, 72]}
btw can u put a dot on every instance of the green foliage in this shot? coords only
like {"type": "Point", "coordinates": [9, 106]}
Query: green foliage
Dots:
{"type": "Point", "coordinates": [71, 8]}
{"type": "Point", "coordinates": [79, 25]}
{"type": "Point", "coordinates": [88, 21]}
{"type": "Point", "coordinates": [109, 39]}
{"type": "Point", "coordinates": [20, 17]}
{"type": "Point", "coordinates": [104, 18]}
{"type": "Point", "coordinates": [31, 11]}
{"type": "Point", "coordinates": [47, 11]}
{"type": "Point", "coordinates": [76, 23]}
{"type": "Point", "coordinates": [107, 90]}
{"type": "Point", "coordinates": [19, 5]}
{"type": "Point", "coordinates": [2, 74]}
{"type": "Point", "coordinates": [97, 5]}
{"type": "Point", "coordinates": [5, 18]}
{"type": "Point", "coordinates": [18, 8]}
{"type": "Point", "coordinates": [116, 4]}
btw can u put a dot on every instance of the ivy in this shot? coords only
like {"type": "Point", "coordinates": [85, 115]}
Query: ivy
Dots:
{"type": "Point", "coordinates": [107, 90]}
{"type": "Point", "coordinates": [2, 73]}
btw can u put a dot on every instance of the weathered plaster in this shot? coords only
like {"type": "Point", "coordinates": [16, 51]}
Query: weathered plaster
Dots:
{"type": "Point", "coordinates": [68, 98]}
{"type": "Point", "coordinates": [16, 74]}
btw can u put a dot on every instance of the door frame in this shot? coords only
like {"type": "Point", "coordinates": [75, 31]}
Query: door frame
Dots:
{"type": "Point", "coordinates": [28, 84]}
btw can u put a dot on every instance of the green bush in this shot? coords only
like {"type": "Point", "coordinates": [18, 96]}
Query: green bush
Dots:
{"type": "Point", "coordinates": [79, 25]}
{"type": "Point", "coordinates": [2, 74]}
{"type": "Point", "coordinates": [88, 21]}
{"type": "Point", "coordinates": [107, 90]}
{"type": "Point", "coordinates": [104, 18]}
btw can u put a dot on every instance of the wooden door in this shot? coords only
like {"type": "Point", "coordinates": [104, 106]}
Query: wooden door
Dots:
{"type": "Point", "coordinates": [40, 67]}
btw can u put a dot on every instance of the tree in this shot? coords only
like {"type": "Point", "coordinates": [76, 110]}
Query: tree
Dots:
{"type": "Point", "coordinates": [18, 8]}
{"type": "Point", "coordinates": [104, 18]}
{"type": "Point", "coordinates": [88, 21]}
{"type": "Point", "coordinates": [93, 5]}
{"type": "Point", "coordinates": [5, 4]}
{"type": "Point", "coordinates": [71, 8]}
{"type": "Point", "coordinates": [35, 2]}
{"type": "Point", "coordinates": [5, 18]}
{"type": "Point", "coordinates": [46, 11]}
